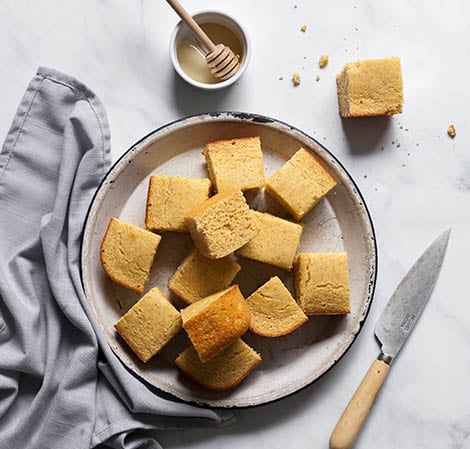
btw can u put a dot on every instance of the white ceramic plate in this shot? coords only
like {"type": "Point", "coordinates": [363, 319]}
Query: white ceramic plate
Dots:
{"type": "Point", "coordinates": [339, 222]}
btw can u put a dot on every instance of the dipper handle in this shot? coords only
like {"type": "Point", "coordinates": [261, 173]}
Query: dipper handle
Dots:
{"type": "Point", "coordinates": [201, 36]}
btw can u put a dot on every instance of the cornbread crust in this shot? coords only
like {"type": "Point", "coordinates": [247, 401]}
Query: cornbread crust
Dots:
{"type": "Point", "coordinates": [222, 224]}
{"type": "Point", "coordinates": [226, 370]}
{"type": "Point", "coordinates": [149, 325]}
{"type": "Point", "coordinates": [274, 312]}
{"type": "Point", "coordinates": [169, 198]}
{"type": "Point", "coordinates": [127, 252]}
{"type": "Point", "coordinates": [370, 88]}
{"type": "Point", "coordinates": [276, 243]}
{"type": "Point", "coordinates": [213, 323]}
{"type": "Point", "coordinates": [235, 163]}
{"type": "Point", "coordinates": [198, 277]}
{"type": "Point", "coordinates": [300, 183]}
{"type": "Point", "coordinates": [322, 283]}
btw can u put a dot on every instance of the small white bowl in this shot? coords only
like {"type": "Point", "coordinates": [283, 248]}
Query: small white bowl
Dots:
{"type": "Point", "coordinates": [181, 32]}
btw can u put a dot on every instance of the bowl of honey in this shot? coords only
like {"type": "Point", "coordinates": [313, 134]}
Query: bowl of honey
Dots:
{"type": "Point", "coordinates": [188, 55]}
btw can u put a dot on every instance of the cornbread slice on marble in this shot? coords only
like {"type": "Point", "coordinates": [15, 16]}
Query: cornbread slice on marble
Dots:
{"type": "Point", "coordinates": [149, 325]}
{"type": "Point", "coordinates": [127, 252]}
{"type": "Point", "coordinates": [222, 224]}
{"type": "Point", "coordinates": [370, 87]}
{"type": "Point", "coordinates": [226, 370]}
{"type": "Point", "coordinates": [198, 277]}
{"type": "Point", "coordinates": [235, 163]}
{"type": "Point", "coordinates": [169, 198]}
{"type": "Point", "coordinates": [274, 311]}
{"type": "Point", "coordinates": [322, 283]}
{"type": "Point", "coordinates": [276, 243]}
{"type": "Point", "coordinates": [300, 183]}
{"type": "Point", "coordinates": [213, 323]}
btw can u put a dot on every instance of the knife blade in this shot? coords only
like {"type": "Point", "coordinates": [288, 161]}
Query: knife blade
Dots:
{"type": "Point", "coordinates": [392, 330]}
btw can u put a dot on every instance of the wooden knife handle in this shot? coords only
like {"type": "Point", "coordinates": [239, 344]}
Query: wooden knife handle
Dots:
{"type": "Point", "coordinates": [354, 416]}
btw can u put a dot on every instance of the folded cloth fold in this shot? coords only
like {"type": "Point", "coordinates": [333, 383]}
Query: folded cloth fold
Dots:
{"type": "Point", "coordinates": [60, 383]}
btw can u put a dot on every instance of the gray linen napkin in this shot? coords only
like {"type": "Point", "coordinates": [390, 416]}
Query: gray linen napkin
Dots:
{"type": "Point", "coordinates": [60, 384]}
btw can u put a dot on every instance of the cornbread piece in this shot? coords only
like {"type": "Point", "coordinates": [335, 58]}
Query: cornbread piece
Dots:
{"type": "Point", "coordinates": [323, 61]}
{"type": "Point", "coordinates": [296, 79]}
{"type": "Point", "coordinates": [451, 131]}
{"type": "Point", "coordinates": [275, 244]}
{"type": "Point", "coordinates": [226, 370]}
{"type": "Point", "coordinates": [300, 183]}
{"type": "Point", "coordinates": [235, 163]}
{"type": "Point", "coordinates": [274, 311]}
{"type": "Point", "coordinates": [370, 87]}
{"type": "Point", "coordinates": [222, 224]}
{"type": "Point", "coordinates": [322, 283]}
{"type": "Point", "coordinates": [169, 198]}
{"type": "Point", "coordinates": [213, 323]}
{"type": "Point", "coordinates": [198, 277]}
{"type": "Point", "coordinates": [149, 325]}
{"type": "Point", "coordinates": [127, 254]}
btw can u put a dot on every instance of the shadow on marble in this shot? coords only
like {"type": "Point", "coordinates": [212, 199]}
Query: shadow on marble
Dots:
{"type": "Point", "coordinates": [189, 100]}
{"type": "Point", "coordinates": [364, 134]}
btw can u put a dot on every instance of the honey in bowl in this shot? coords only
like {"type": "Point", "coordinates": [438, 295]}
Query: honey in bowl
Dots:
{"type": "Point", "coordinates": [192, 56]}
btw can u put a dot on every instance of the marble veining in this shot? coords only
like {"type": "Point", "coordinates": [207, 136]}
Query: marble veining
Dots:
{"type": "Point", "coordinates": [415, 179]}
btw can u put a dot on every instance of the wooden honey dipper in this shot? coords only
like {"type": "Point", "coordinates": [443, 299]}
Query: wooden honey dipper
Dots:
{"type": "Point", "coordinates": [222, 61]}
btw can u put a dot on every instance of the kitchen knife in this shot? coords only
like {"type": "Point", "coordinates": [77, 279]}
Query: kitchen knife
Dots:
{"type": "Point", "coordinates": [392, 330]}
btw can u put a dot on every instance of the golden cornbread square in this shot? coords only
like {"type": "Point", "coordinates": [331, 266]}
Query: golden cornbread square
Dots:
{"type": "Point", "coordinates": [149, 325]}
{"type": "Point", "coordinates": [215, 322]}
{"type": "Point", "coordinates": [300, 183]}
{"type": "Point", "coordinates": [276, 243]}
{"type": "Point", "coordinates": [222, 224]}
{"type": "Point", "coordinates": [274, 312]}
{"type": "Point", "coordinates": [322, 283]}
{"type": "Point", "coordinates": [224, 371]}
{"type": "Point", "coordinates": [370, 87]}
{"type": "Point", "coordinates": [169, 198]}
{"type": "Point", "coordinates": [198, 277]}
{"type": "Point", "coordinates": [127, 253]}
{"type": "Point", "coordinates": [235, 163]}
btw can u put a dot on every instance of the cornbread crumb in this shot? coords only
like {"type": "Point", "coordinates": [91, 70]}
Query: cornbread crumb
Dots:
{"type": "Point", "coordinates": [215, 322]}
{"type": "Point", "coordinates": [198, 277]}
{"type": "Point", "coordinates": [169, 198]}
{"type": "Point", "coordinates": [296, 79]}
{"type": "Point", "coordinates": [303, 28]}
{"type": "Point", "coordinates": [276, 243]}
{"type": "Point", "coordinates": [370, 88]}
{"type": "Point", "coordinates": [323, 61]}
{"type": "Point", "coordinates": [322, 283]}
{"type": "Point", "coordinates": [300, 183]}
{"type": "Point", "coordinates": [235, 163]}
{"type": "Point", "coordinates": [451, 131]}
{"type": "Point", "coordinates": [149, 325]}
{"type": "Point", "coordinates": [274, 312]}
{"type": "Point", "coordinates": [317, 78]}
{"type": "Point", "coordinates": [224, 371]}
{"type": "Point", "coordinates": [222, 224]}
{"type": "Point", "coordinates": [127, 252]}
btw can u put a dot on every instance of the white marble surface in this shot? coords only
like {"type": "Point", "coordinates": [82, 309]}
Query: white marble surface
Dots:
{"type": "Point", "coordinates": [415, 178]}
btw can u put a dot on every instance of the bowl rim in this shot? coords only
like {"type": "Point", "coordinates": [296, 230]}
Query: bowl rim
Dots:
{"type": "Point", "coordinates": [245, 42]}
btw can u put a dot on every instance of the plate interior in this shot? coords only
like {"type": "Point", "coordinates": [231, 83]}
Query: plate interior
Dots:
{"type": "Point", "coordinates": [339, 222]}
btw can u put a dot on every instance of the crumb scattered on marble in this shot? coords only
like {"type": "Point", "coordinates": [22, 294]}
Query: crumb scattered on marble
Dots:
{"type": "Point", "coordinates": [317, 78]}
{"type": "Point", "coordinates": [295, 6]}
{"type": "Point", "coordinates": [451, 131]}
{"type": "Point", "coordinates": [296, 79]}
{"type": "Point", "coordinates": [365, 176]}
{"type": "Point", "coordinates": [281, 78]}
{"type": "Point", "coordinates": [398, 145]}
{"type": "Point", "coordinates": [303, 28]}
{"type": "Point", "coordinates": [323, 62]}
